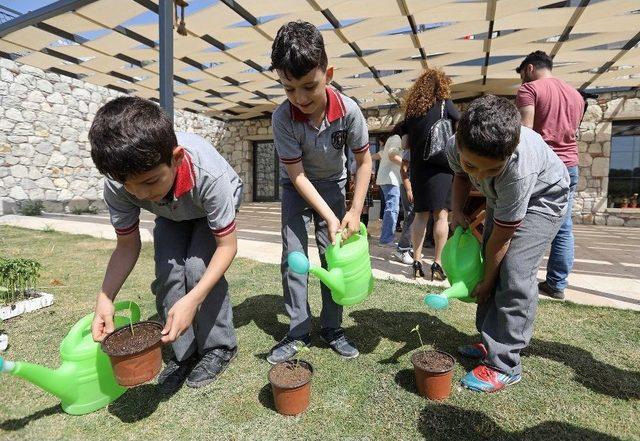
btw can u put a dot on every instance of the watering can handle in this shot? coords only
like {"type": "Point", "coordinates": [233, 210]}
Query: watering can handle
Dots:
{"type": "Point", "coordinates": [76, 333]}
{"type": "Point", "coordinates": [362, 232]}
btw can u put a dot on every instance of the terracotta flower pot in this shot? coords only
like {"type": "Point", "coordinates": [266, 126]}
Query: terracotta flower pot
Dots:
{"type": "Point", "coordinates": [434, 373]}
{"type": "Point", "coordinates": [291, 386]}
{"type": "Point", "coordinates": [135, 359]}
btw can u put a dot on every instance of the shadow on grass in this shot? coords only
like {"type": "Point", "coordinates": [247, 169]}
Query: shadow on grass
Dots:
{"type": "Point", "coordinates": [266, 397]}
{"type": "Point", "coordinates": [406, 379]}
{"type": "Point", "coordinates": [137, 404]}
{"type": "Point", "coordinates": [372, 325]}
{"type": "Point", "coordinates": [263, 309]}
{"type": "Point", "coordinates": [439, 421]}
{"type": "Point", "coordinates": [21, 423]}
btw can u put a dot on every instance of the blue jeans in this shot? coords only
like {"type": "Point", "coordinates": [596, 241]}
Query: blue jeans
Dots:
{"type": "Point", "coordinates": [561, 255]}
{"type": "Point", "coordinates": [391, 207]}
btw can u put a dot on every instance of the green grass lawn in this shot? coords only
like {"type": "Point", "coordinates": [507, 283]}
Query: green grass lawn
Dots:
{"type": "Point", "coordinates": [581, 372]}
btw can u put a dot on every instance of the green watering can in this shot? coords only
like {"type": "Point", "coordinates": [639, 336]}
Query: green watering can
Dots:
{"type": "Point", "coordinates": [349, 277]}
{"type": "Point", "coordinates": [462, 261]}
{"type": "Point", "coordinates": [85, 381]}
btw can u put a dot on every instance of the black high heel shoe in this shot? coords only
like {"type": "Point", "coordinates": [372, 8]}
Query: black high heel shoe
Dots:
{"type": "Point", "coordinates": [437, 272]}
{"type": "Point", "coordinates": [417, 269]}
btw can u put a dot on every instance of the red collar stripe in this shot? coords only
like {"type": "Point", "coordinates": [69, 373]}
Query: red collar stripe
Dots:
{"type": "Point", "coordinates": [335, 108]}
{"type": "Point", "coordinates": [185, 177]}
{"type": "Point", "coordinates": [362, 149]}
{"type": "Point", "coordinates": [128, 230]}
{"type": "Point", "coordinates": [291, 160]}
{"type": "Point", "coordinates": [226, 230]}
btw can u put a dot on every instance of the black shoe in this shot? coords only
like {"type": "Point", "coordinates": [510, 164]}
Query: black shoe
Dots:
{"type": "Point", "coordinates": [417, 269]}
{"type": "Point", "coordinates": [210, 366]}
{"type": "Point", "coordinates": [546, 290]}
{"type": "Point", "coordinates": [437, 272]}
{"type": "Point", "coordinates": [287, 348]}
{"type": "Point", "coordinates": [174, 374]}
{"type": "Point", "coordinates": [337, 341]}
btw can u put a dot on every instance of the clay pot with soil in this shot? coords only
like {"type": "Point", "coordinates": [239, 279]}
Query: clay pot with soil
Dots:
{"type": "Point", "coordinates": [135, 353]}
{"type": "Point", "coordinates": [434, 373]}
{"type": "Point", "coordinates": [291, 386]}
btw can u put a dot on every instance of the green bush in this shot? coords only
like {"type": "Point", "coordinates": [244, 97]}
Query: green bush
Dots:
{"type": "Point", "coordinates": [17, 277]}
{"type": "Point", "coordinates": [31, 208]}
{"type": "Point", "coordinates": [84, 210]}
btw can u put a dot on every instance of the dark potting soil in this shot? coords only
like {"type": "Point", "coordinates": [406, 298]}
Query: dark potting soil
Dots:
{"type": "Point", "coordinates": [122, 342]}
{"type": "Point", "coordinates": [432, 361]}
{"type": "Point", "coordinates": [290, 374]}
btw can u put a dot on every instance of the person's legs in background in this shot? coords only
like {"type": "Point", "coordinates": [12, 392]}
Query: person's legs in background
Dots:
{"type": "Point", "coordinates": [440, 235]}
{"type": "Point", "coordinates": [562, 249]}
{"type": "Point", "coordinates": [418, 229]}
{"type": "Point", "coordinates": [392, 202]}
{"type": "Point", "coordinates": [404, 244]}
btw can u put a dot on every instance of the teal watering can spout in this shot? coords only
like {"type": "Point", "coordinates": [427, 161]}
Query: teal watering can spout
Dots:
{"type": "Point", "coordinates": [463, 263]}
{"type": "Point", "coordinates": [349, 276]}
{"type": "Point", "coordinates": [84, 382]}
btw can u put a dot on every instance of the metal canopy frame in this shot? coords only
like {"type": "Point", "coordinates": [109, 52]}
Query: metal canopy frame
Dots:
{"type": "Point", "coordinates": [377, 47]}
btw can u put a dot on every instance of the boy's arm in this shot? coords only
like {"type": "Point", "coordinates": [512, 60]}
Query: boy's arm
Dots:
{"type": "Point", "coordinates": [122, 261]}
{"type": "Point", "coordinates": [310, 194]}
{"type": "Point", "coordinates": [495, 250]}
{"type": "Point", "coordinates": [351, 222]}
{"type": "Point", "coordinates": [181, 314]}
{"type": "Point", "coordinates": [459, 193]}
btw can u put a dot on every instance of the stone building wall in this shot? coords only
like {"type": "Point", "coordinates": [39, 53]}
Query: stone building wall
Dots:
{"type": "Point", "coordinates": [44, 150]}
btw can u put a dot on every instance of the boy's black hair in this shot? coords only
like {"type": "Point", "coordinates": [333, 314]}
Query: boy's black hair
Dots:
{"type": "Point", "coordinates": [539, 59]}
{"type": "Point", "coordinates": [490, 127]}
{"type": "Point", "coordinates": [129, 136]}
{"type": "Point", "coordinates": [298, 49]}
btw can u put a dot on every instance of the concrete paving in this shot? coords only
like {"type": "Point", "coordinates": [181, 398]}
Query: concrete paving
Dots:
{"type": "Point", "coordinates": [606, 273]}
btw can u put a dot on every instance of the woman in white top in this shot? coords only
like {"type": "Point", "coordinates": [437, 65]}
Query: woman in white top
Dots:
{"type": "Point", "coordinates": [389, 181]}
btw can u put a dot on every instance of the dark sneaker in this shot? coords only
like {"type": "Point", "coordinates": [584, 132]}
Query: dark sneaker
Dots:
{"type": "Point", "coordinates": [548, 291]}
{"type": "Point", "coordinates": [337, 341]}
{"type": "Point", "coordinates": [210, 366]}
{"type": "Point", "coordinates": [286, 349]}
{"type": "Point", "coordinates": [174, 374]}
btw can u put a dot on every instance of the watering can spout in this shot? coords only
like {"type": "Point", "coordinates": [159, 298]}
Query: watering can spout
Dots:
{"type": "Point", "coordinates": [334, 278]}
{"type": "Point", "coordinates": [59, 382]}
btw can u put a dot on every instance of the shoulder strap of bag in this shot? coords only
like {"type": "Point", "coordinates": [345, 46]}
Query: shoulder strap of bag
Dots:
{"type": "Point", "coordinates": [442, 110]}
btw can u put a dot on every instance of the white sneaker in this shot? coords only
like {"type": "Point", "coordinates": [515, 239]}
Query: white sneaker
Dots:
{"type": "Point", "coordinates": [404, 257]}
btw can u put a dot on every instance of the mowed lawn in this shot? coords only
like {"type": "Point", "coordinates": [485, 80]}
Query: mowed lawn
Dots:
{"type": "Point", "coordinates": [581, 372]}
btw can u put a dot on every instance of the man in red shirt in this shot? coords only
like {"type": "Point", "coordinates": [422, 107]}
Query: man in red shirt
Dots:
{"type": "Point", "coordinates": [554, 109]}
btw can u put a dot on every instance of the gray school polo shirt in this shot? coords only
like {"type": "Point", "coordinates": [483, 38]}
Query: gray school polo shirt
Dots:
{"type": "Point", "coordinates": [321, 149]}
{"type": "Point", "coordinates": [205, 186]}
{"type": "Point", "coordinates": [534, 179]}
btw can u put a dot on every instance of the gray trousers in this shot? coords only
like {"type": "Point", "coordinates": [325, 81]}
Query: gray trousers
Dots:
{"type": "Point", "coordinates": [404, 244]}
{"type": "Point", "coordinates": [183, 251]}
{"type": "Point", "coordinates": [296, 216]}
{"type": "Point", "coordinates": [505, 320]}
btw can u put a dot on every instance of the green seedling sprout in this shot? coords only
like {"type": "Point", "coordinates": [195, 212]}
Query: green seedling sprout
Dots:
{"type": "Point", "coordinates": [417, 331]}
{"type": "Point", "coordinates": [302, 349]}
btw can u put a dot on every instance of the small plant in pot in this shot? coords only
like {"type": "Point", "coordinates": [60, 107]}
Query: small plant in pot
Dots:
{"type": "Point", "coordinates": [433, 371]}
{"type": "Point", "coordinates": [135, 352]}
{"type": "Point", "coordinates": [291, 383]}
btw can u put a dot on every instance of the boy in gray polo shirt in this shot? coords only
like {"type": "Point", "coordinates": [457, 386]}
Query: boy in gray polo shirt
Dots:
{"type": "Point", "coordinates": [311, 131]}
{"type": "Point", "coordinates": [195, 194]}
{"type": "Point", "coordinates": [527, 188]}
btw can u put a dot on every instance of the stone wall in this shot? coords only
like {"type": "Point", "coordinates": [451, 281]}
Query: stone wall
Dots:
{"type": "Point", "coordinates": [44, 151]}
{"type": "Point", "coordinates": [591, 205]}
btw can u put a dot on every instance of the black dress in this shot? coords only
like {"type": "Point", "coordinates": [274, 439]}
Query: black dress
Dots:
{"type": "Point", "coordinates": [431, 183]}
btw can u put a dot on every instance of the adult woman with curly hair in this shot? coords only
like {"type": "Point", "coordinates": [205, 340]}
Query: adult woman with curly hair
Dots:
{"type": "Point", "coordinates": [430, 182]}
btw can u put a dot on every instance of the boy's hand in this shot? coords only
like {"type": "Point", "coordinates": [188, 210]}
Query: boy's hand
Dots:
{"type": "Point", "coordinates": [410, 196]}
{"type": "Point", "coordinates": [179, 318]}
{"type": "Point", "coordinates": [350, 224]}
{"type": "Point", "coordinates": [333, 226]}
{"type": "Point", "coordinates": [483, 291]}
{"type": "Point", "coordinates": [103, 318]}
{"type": "Point", "coordinates": [458, 218]}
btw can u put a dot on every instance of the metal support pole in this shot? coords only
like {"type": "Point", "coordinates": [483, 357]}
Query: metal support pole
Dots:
{"type": "Point", "coordinates": [165, 29]}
